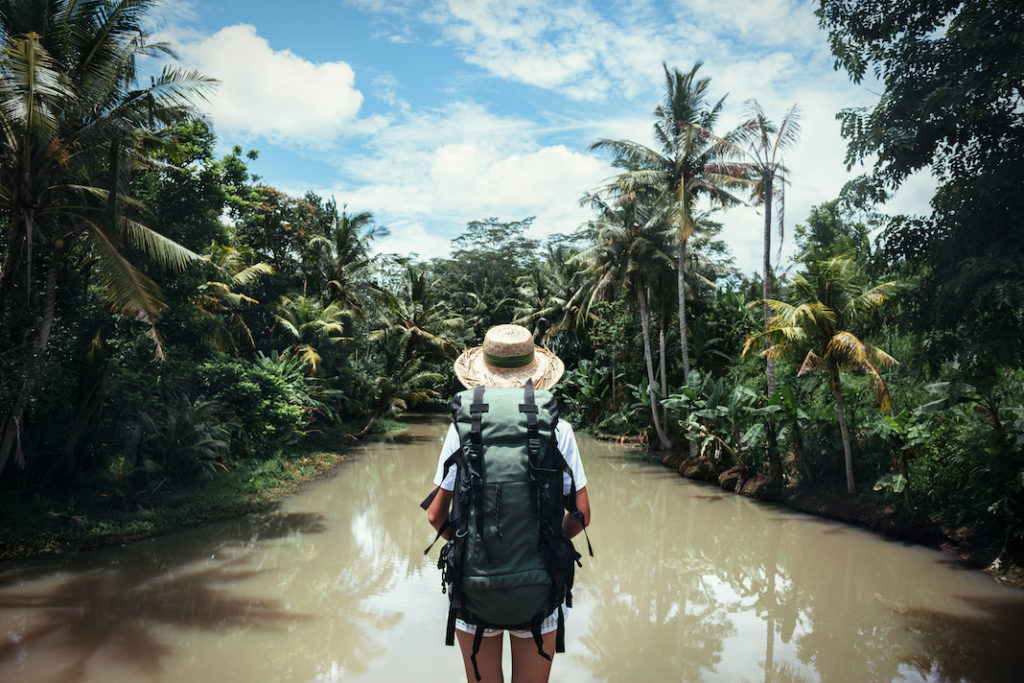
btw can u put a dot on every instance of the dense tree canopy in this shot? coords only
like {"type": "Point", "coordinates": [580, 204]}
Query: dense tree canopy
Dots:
{"type": "Point", "coordinates": [953, 104]}
{"type": "Point", "coordinates": [278, 322]}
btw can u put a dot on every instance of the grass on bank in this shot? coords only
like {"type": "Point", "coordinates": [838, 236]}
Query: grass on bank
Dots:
{"type": "Point", "coordinates": [87, 518]}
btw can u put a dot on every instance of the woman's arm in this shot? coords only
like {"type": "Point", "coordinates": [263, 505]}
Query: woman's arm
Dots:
{"type": "Point", "coordinates": [570, 524]}
{"type": "Point", "coordinates": [437, 513]}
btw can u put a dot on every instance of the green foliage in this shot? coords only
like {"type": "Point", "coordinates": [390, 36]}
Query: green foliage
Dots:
{"type": "Point", "coordinates": [480, 277]}
{"type": "Point", "coordinates": [727, 419]}
{"type": "Point", "coordinates": [328, 340]}
{"type": "Point", "coordinates": [951, 74]}
{"type": "Point", "coordinates": [828, 232]}
{"type": "Point", "coordinates": [266, 405]}
{"type": "Point", "coordinates": [186, 438]}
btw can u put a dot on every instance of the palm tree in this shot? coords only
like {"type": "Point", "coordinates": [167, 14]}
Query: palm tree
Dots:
{"type": "Point", "coordinates": [342, 257]}
{"type": "Point", "coordinates": [417, 316]}
{"type": "Point", "coordinates": [220, 298]}
{"type": "Point", "coordinates": [405, 378]}
{"type": "Point", "coordinates": [629, 250]}
{"type": "Point", "coordinates": [74, 124]}
{"type": "Point", "coordinates": [690, 162]}
{"type": "Point", "coordinates": [765, 142]}
{"type": "Point", "coordinates": [830, 304]}
{"type": "Point", "coordinates": [551, 299]}
{"type": "Point", "coordinates": [313, 327]}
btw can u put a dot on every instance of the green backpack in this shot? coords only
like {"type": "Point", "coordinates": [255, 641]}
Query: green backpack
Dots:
{"type": "Point", "coordinates": [509, 563]}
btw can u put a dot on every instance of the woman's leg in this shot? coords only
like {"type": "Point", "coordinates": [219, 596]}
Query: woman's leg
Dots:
{"type": "Point", "coordinates": [488, 659]}
{"type": "Point", "coordinates": [527, 665]}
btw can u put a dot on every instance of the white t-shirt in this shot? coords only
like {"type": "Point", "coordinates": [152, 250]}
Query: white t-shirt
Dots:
{"type": "Point", "coordinates": [564, 438]}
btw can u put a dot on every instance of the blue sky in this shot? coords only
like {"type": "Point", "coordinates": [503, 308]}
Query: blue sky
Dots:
{"type": "Point", "coordinates": [433, 113]}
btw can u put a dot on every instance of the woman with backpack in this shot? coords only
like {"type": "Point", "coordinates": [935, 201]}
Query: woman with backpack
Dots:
{"type": "Point", "coordinates": [508, 553]}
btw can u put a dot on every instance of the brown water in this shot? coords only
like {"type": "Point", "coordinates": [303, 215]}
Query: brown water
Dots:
{"type": "Point", "coordinates": [688, 584]}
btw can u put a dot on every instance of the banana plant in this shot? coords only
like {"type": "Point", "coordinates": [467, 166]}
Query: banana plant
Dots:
{"type": "Point", "coordinates": [722, 417]}
{"type": "Point", "coordinates": [903, 433]}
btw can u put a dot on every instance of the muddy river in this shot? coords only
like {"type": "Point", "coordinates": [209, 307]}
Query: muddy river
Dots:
{"type": "Point", "coordinates": [688, 584]}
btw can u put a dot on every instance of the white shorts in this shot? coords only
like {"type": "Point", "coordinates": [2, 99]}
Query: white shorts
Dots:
{"type": "Point", "coordinates": [546, 626]}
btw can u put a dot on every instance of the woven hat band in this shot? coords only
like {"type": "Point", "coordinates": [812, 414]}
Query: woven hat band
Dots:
{"type": "Point", "coordinates": [519, 361]}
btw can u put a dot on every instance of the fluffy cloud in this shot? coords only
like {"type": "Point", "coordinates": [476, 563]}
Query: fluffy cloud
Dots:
{"type": "Point", "coordinates": [594, 51]}
{"type": "Point", "coordinates": [428, 175]}
{"type": "Point", "coordinates": [273, 94]}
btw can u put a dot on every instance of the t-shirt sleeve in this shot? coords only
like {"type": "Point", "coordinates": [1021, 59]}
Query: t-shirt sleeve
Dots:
{"type": "Point", "coordinates": [450, 445]}
{"type": "Point", "coordinates": [566, 440]}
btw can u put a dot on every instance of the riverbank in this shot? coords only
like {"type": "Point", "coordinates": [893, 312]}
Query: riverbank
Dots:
{"type": "Point", "coordinates": [64, 522]}
{"type": "Point", "coordinates": [977, 547]}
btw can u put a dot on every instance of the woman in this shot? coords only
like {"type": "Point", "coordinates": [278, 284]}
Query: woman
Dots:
{"type": "Point", "coordinates": [509, 358]}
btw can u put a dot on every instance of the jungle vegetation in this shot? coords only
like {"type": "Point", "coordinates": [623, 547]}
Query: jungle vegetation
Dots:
{"type": "Point", "coordinates": [166, 317]}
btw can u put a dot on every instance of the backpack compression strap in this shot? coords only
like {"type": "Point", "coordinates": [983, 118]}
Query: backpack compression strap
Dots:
{"type": "Point", "coordinates": [529, 408]}
{"type": "Point", "coordinates": [476, 450]}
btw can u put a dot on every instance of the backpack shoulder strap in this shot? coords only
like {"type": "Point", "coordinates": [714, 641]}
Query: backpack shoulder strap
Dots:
{"type": "Point", "coordinates": [529, 408]}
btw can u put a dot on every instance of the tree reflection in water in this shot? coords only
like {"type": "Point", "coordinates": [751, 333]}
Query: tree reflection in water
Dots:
{"type": "Point", "coordinates": [689, 583]}
{"type": "Point", "coordinates": [685, 573]}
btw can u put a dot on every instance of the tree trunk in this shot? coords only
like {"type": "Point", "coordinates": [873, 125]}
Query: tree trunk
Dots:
{"type": "Point", "coordinates": [766, 289]}
{"type": "Point", "coordinates": [96, 397]}
{"type": "Point", "coordinates": [11, 428]}
{"type": "Point", "coordinates": [847, 453]}
{"type": "Point", "coordinates": [369, 425]}
{"type": "Point", "coordinates": [662, 324]}
{"type": "Point", "coordinates": [683, 339]}
{"type": "Point", "coordinates": [774, 458]}
{"type": "Point", "coordinates": [6, 266]}
{"type": "Point", "coordinates": [615, 381]}
{"type": "Point", "coordinates": [645, 325]}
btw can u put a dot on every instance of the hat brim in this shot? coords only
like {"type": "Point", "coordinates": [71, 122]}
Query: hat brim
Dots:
{"type": "Point", "coordinates": [545, 370]}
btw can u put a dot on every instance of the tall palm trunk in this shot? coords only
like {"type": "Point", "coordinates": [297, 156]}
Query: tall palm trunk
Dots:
{"type": "Point", "coordinates": [662, 324]}
{"type": "Point", "coordinates": [645, 325]}
{"type": "Point", "coordinates": [683, 339]}
{"type": "Point", "coordinates": [681, 273]}
{"type": "Point", "coordinates": [841, 409]}
{"type": "Point", "coordinates": [766, 290]}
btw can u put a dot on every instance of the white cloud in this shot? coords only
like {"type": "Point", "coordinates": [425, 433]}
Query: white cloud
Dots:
{"type": "Point", "coordinates": [274, 94]}
{"type": "Point", "coordinates": [593, 51]}
{"type": "Point", "coordinates": [412, 237]}
{"type": "Point", "coordinates": [429, 174]}
{"type": "Point", "coordinates": [768, 22]}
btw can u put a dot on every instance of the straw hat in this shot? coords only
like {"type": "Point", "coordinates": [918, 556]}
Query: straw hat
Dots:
{"type": "Point", "coordinates": [507, 358]}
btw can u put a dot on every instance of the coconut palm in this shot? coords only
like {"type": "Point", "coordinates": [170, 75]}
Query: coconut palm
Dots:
{"type": "Point", "coordinates": [690, 162]}
{"type": "Point", "coordinates": [221, 299]}
{"type": "Point", "coordinates": [74, 124]}
{"type": "Point", "coordinates": [764, 143]}
{"type": "Point", "coordinates": [551, 299]}
{"type": "Point", "coordinates": [312, 326]}
{"type": "Point", "coordinates": [831, 305]}
{"type": "Point", "coordinates": [404, 378]}
{"type": "Point", "coordinates": [416, 315]}
{"type": "Point", "coordinates": [630, 248]}
{"type": "Point", "coordinates": [342, 258]}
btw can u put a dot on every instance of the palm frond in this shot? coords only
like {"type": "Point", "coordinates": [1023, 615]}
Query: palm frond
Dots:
{"type": "Point", "coordinates": [161, 249]}
{"type": "Point", "coordinates": [129, 291]}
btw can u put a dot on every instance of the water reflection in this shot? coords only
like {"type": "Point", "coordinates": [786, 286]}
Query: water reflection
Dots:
{"type": "Point", "coordinates": [688, 584]}
{"type": "Point", "coordinates": [701, 586]}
